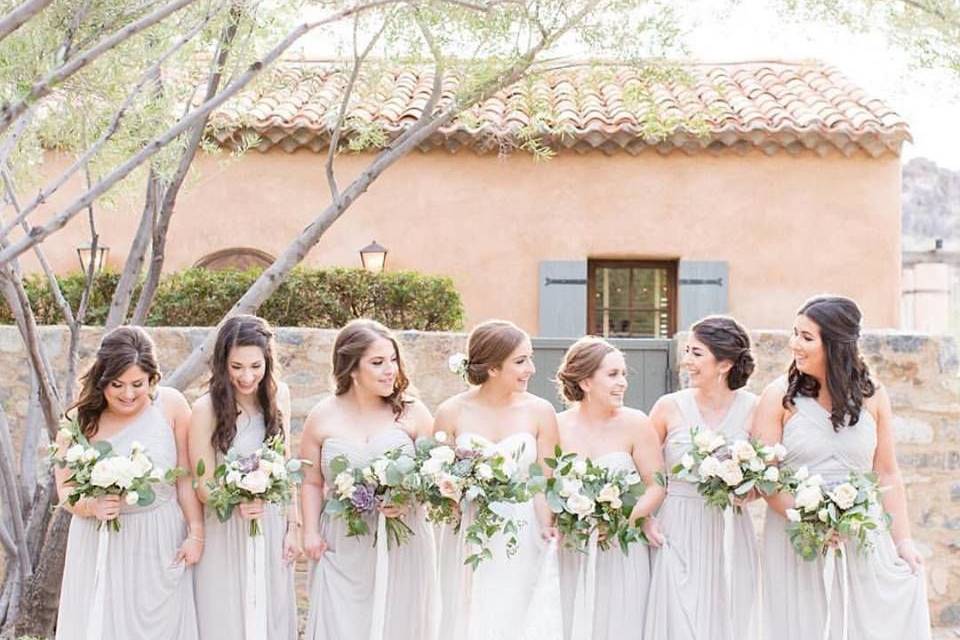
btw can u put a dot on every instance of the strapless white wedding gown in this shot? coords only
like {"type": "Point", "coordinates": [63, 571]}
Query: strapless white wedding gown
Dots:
{"type": "Point", "coordinates": [516, 597]}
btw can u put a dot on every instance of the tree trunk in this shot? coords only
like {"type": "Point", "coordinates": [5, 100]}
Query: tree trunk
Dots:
{"type": "Point", "coordinates": [40, 599]}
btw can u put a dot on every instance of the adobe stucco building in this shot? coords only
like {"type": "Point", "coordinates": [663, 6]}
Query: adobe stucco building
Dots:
{"type": "Point", "coordinates": [793, 189]}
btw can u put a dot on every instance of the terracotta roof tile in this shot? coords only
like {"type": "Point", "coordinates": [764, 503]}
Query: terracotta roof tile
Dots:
{"type": "Point", "coordinates": [770, 106]}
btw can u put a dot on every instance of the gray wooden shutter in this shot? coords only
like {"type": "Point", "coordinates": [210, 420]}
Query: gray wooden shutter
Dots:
{"type": "Point", "coordinates": [703, 290]}
{"type": "Point", "coordinates": [563, 298]}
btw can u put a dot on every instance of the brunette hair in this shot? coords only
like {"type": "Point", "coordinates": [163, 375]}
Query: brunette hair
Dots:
{"type": "Point", "coordinates": [848, 376]}
{"type": "Point", "coordinates": [580, 362]}
{"type": "Point", "coordinates": [351, 343]}
{"type": "Point", "coordinates": [119, 350]}
{"type": "Point", "coordinates": [727, 340]}
{"type": "Point", "coordinates": [489, 345]}
{"type": "Point", "coordinates": [242, 331]}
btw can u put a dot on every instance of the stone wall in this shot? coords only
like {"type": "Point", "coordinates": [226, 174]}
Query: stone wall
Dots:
{"type": "Point", "coordinates": [920, 371]}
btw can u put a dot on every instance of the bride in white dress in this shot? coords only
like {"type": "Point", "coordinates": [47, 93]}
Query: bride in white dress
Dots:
{"type": "Point", "coordinates": [516, 597]}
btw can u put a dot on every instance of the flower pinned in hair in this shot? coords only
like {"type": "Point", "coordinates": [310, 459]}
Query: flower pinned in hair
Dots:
{"type": "Point", "coordinates": [458, 364]}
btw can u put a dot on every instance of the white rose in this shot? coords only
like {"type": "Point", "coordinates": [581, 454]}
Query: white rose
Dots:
{"type": "Point", "coordinates": [844, 495]}
{"type": "Point", "coordinates": [255, 482]}
{"type": "Point", "coordinates": [772, 474]}
{"type": "Point", "coordinates": [234, 477]}
{"type": "Point", "coordinates": [141, 463]}
{"type": "Point", "coordinates": [793, 515]}
{"type": "Point", "coordinates": [279, 471]}
{"type": "Point", "coordinates": [580, 505]}
{"type": "Point", "coordinates": [90, 455]}
{"type": "Point", "coordinates": [823, 515]}
{"type": "Point", "coordinates": [103, 474]}
{"type": "Point", "coordinates": [743, 451]}
{"type": "Point", "coordinates": [157, 474]}
{"type": "Point", "coordinates": [730, 472]}
{"type": "Point", "coordinates": [484, 472]}
{"type": "Point", "coordinates": [687, 461]}
{"type": "Point", "coordinates": [708, 441]}
{"type": "Point", "coordinates": [779, 451]}
{"type": "Point", "coordinates": [74, 453]}
{"type": "Point", "coordinates": [136, 447]}
{"type": "Point", "coordinates": [815, 480]}
{"type": "Point", "coordinates": [569, 486]}
{"type": "Point", "coordinates": [431, 466]}
{"type": "Point", "coordinates": [344, 483]}
{"type": "Point", "coordinates": [610, 493]}
{"type": "Point", "coordinates": [808, 497]}
{"type": "Point", "coordinates": [755, 465]}
{"type": "Point", "coordinates": [380, 469]}
{"type": "Point", "coordinates": [802, 474]}
{"type": "Point", "coordinates": [579, 467]}
{"type": "Point", "coordinates": [456, 363]}
{"type": "Point", "coordinates": [65, 433]}
{"type": "Point", "coordinates": [709, 467]}
{"type": "Point", "coordinates": [126, 472]}
{"type": "Point", "coordinates": [440, 436]}
{"type": "Point", "coordinates": [444, 454]}
{"type": "Point", "coordinates": [132, 498]}
{"type": "Point", "coordinates": [266, 466]}
{"type": "Point", "coordinates": [510, 467]}
{"type": "Point", "coordinates": [369, 475]}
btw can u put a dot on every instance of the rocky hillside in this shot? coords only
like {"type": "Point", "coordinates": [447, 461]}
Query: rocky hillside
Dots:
{"type": "Point", "coordinates": [931, 202]}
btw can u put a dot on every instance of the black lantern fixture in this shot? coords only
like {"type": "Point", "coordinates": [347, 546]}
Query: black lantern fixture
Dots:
{"type": "Point", "coordinates": [85, 254]}
{"type": "Point", "coordinates": [373, 257]}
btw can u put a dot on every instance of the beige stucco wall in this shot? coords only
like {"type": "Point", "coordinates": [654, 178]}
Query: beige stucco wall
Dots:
{"type": "Point", "coordinates": [789, 226]}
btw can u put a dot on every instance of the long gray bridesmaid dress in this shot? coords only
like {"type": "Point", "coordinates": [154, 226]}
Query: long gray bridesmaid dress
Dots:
{"type": "Point", "coordinates": [885, 600]}
{"type": "Point", "coordinates": [221, 574]}
{"type": "Point", "coordinates": [146, 595]}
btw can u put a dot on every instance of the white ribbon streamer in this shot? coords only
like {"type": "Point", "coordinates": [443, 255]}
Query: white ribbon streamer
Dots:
{"type": "Point", "coordinates": [95, 621]}
{"type": "Point", "coordinates": [378, 618]}
{"type": "Point", "coordinates": [255, 592]}
{"type": "Point", "coordinates": [728, 535]}
{"type": "Point", "coordinates": [584, 602]}
{"type": "Point", "coordinates": [829, 571]}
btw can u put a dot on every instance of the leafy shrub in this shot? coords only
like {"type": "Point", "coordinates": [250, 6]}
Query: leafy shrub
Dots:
{"type": "Point", "coordinates": [325, 298]}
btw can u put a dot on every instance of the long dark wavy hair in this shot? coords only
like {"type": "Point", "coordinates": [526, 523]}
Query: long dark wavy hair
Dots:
{"type": "Point", "coordinates": [242, 331]}
{"type": "Point", "coordinates": [119, 350]}
{"type": "Point", "coordinates": [351, 343]}
{"type": "Point", "coordinates": [848, 376]}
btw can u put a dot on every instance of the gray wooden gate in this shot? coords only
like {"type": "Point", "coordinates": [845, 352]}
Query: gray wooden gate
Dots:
{"type": "Point", "coordinates": [649, 363]}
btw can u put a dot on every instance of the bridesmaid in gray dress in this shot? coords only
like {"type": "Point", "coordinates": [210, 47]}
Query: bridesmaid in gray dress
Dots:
{"type": "Point", "coordinates": [245, 406]}
{"type": "Point", "coordinates": [358, 590]}
{"type": "Point", "coordinates": [705, 576]}
{"type": "Point", "coordinates": [146, 588]}
{"type": "Point", "coordinates": [834, 418]}
{"type": "Point", "coordinates": [593, 380]}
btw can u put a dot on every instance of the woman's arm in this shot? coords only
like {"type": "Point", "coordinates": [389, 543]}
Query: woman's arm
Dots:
{"type": "Point", "coordinates": [767, 426]}
{"type": "Point", "coordinates": [179, 411]}
{"type": "Point", "coordinates": [888, 472]}
{"type": "Point", "coordinates": [103, 508]}
{"type": "Point", "coordinates": [311, 494]}
{"type": "Point", "coordinates": [200, 445]}
{"type": "Point", "coordinates": [283, 402]}
{"type": "Point", "coordinates": [648, 456]}
{"type": "Point", "coordinates": [547, 439]}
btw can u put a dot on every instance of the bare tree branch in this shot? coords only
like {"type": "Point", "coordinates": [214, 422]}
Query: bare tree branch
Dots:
{"type": "Point", "coordinates": [268, 281]}
{"type": "Point", "coordinates": [16, 18]}
{"type": "Point", "coordinates": [358, 58]}
{"type": "Point", "coordinates": [38, 234]}
{"type": "Point", "coordinates": [43, 87]}
{"type": "Point", "coordinates": [8, 485]}
{"type": "Point", "coordinates": [151, 74]}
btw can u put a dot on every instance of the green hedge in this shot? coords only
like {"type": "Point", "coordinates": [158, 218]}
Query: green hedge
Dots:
{"type": "Point", "coordinates": [326, 298]}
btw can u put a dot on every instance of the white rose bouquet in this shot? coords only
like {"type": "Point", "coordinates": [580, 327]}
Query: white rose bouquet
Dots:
{"type": "Point", "coordinates": [97, 470]}
{"type": "Point", "coordinates": [265, 475]}
{"type": "Point", "coordinates": [453, 478]}
{"type": "Point", "coordinates": [390, 479]}
{"type": "Point", "coordinates": [724, 471]}
{"type": "Point", "coordinates": [821, 512]}
{"type": "Point", "coordinates": [586, 497]}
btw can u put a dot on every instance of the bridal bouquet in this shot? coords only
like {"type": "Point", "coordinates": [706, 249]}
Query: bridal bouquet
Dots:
{"type": "Point", "coordinates": [586, 497]}
{"type": "Point", "coordinates": [265, 475]}
{"type": "Point", "coordinates": [97, 470]}
{"type": "Point", "coordinates": [389, 480]}
{"type": "Point", "coordinates": [822, 511]}
{"type": "Point", "coordinates": [453, 478]}
{"type": "Point", "coordinates": [723, 471]}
